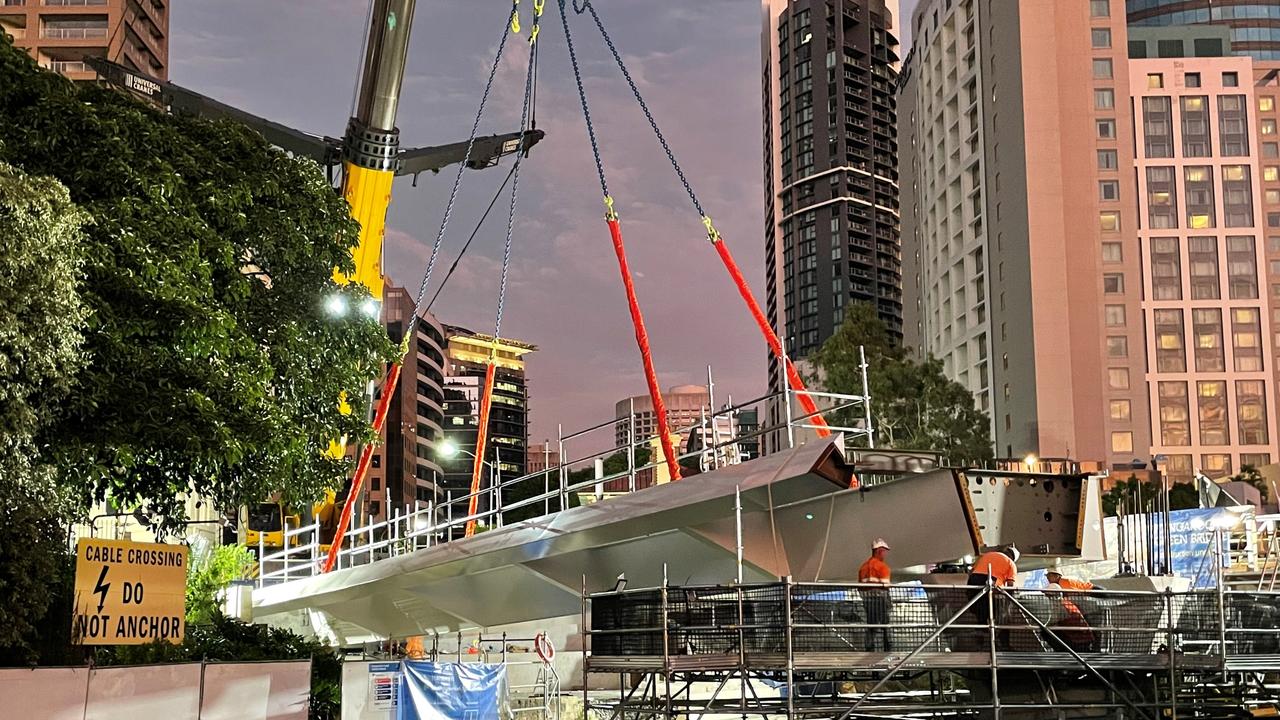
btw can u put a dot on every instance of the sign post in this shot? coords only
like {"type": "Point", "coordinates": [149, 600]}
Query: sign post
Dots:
{"type": "Point", "coordinates": [129, 593]}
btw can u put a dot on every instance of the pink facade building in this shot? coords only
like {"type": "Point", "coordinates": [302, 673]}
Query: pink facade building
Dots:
{"type": "Point", "coordinates": [1085, 231]}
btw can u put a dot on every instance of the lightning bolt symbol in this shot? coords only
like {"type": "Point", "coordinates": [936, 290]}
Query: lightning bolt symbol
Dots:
{"type": "Point", "coordinates": [100, 588]}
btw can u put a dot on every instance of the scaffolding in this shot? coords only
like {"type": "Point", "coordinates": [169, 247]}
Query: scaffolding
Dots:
{"type": "Point", "coordinates": [791, 650]}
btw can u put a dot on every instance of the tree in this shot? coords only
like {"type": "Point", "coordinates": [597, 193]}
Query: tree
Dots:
{"type": "Point", "coordinates": [914, 406]}
{"type": "Point", "coordinates": [210, 365]}
{"type": "Point", "coordinates": [210, 571]}
{"type": "Point", "coordinates": [1249, 474]}
{"type": "Point", "coordinates": [41, 332]}
{"type": "Point", "coordinates": [1182, 496]}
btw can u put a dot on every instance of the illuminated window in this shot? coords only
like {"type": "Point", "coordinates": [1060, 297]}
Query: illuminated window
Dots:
{"type": "Point", "coordinates": [1215, 465]}
{"type": "Point", "coordinates": [1121, 410]}
{"type": "Point", "coordinates": [1155, 81]}
{"type": "Point", "coordinates": [1170, 348]}
{"type": "Point", "coordinates": [1122, 442]}
{"type": "Point", "coordinates": [1212, 404]}
{"type": "Point", "coordinates": [1246, 339]}
{"type": "Point", "coordinates": [1271, 173]}
{"type": "Point", "coordinates": [1109, 221]}
{"type": "Point", "coordinates": [1175, 414]}
{"type": "Point", "coordinates": [1268, 126]}
{"type": "Point", "coordinates": [1267, 103]}
{"type": "Point", "coordinates": [1199, 195]}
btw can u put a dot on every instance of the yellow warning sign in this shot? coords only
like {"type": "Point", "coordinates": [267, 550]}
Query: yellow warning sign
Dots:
{"type": "Point", "coordinates": [129, 593]}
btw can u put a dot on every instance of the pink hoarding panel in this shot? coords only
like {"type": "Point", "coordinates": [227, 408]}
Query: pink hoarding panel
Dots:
{"type": "Point", "coordinates": [44, 693]}
{"type": "Point", "coordinates": [153, 691]}
{"type": "Point", "coordinates": [256, 691]}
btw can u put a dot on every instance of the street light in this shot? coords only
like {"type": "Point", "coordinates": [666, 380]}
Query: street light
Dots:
{"type": "Point", "coordinates": [449, 449]}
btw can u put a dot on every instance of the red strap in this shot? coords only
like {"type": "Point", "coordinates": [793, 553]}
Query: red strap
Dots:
{"type": "Point", "coordinates": [362, 467]}
{"type": "Point", "coordinates": [770, 337]}
{"type": "Point", "coordinates": [642, 340]}
{"type": "Point", "coordinates": [482, 436]}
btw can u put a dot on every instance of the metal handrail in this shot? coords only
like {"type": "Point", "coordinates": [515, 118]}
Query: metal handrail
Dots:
{"type": "Point", "coordinates": [409, 529]}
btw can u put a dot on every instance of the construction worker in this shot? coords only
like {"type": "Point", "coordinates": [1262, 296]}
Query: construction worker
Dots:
{"type": "Point", "coordinates": [875, 571]}
{"type": "Point", "coordinates": [1065, 583]}
{"type": "Point", "coordinates": [1070, 625]}
{"type": "Point", "coordinates": [998, 568]}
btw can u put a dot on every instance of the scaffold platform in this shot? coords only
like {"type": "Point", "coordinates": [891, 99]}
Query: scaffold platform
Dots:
{"type": "Point", "coordinates": [847, 651]}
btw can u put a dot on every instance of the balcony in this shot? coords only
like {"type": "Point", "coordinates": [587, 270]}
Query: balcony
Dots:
{"type": "Point", "coordinates": [73, 33]}
{"type": "Point", "coordinates": [67, 3]}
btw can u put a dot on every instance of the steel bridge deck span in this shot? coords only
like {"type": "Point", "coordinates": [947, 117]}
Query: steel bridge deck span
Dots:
{"type": "Point", "coordinates": [799, 518]}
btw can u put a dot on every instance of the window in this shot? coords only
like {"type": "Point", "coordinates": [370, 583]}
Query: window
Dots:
{"type": "Point", "coordinates": [1166, 269]}
{"type": "Point", "coordinates": [1202, 253]}
{"type": "Point", "coordinates": [1199, 197]}
{"type": "Point", "coordinates": [1178, 465]}
{"type": "Point", "coordinates": [1122, 442]}
{"type": "Point", "coordinates": [1155, 81]}
{"type": "Point", "coordinates": [1107, 160]}
{"type": "Point", "coordinates": [1115, 315]}
{"type": "Point", "coordinates": [1171, 353]}
{"type": "Point", "coordinates": [1157, 122]}
{"type": "Point", "coordinates": [1246, 339]}
{"type": "Point", "coordinates": [1121, 410]}
{"type": "Point", "coordinates": [1107, 129]}
{"type": "Point", "coordinates": [1102, 68]}
{"type": "Point", "coordinates": [1206, 325]}
{"type": "Point", "coordinates": [1272, 197]}
{"type": "Point", "coordinates": [1112, 252]}
{"type": "Point", "coordinates": [1162, 198]}
{"type": "Point", "coordinates": [1099, 8]}
{"type": "Point", "coordinates": [1233, 125]}
{"type": "Point", "coordinates": [1109, 221]}
{"type": "Point", "coordinates": [1215, 465]}
{"type": "Point", "coordinates": [1175, 414]}
{"type": "Point", "coordinates": [1113, 283]}
{"type": "Point", "coordinates": [1242, 269]}
{"type": "Point", "coordinates": [1266, 103]}
{"type": "Point", "coordinates": [1271, 173]}
{"type": "Point", "coordinates": [1251, 412]}
{"type": "Point", "coordinates": [1270, 150]}
{"type": "Point", "coordinates": [1212, 405]}
{"type": "Point", "coordinates": [1230, 79]}
{"type": "Point", "coordinates": [1104, 98]}
{"type": "Point", "coordinates": [1237, 196]}
{"type": "Point", "coordinates": [1195, 126]}
{"type": "Point", "coordinates": [1108, 190]}
{"type": "Point", "coordinates": [1118, 378]}
{"type": "Point", "coordinates": [1191, 80]}
{"type": "Point", "coordinates": [1117, 346]}
{"type": "Point", "coordinates": [1268, 126]}
{"type": "Point", "coordinates": [1101, 37]}
{"type": "Point", "coordinates": [1257, 460]}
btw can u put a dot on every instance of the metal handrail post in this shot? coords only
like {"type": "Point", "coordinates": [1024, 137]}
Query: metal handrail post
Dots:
{"type": "Point", "coordinates": [631, 444]}
{"type": "Point", "coordinates": [866, 398]}
{"type": "Point", "coordinates": [546, 476]}
{"type": "Point", "coordinates": [791, 431]}
{"type": "Point", "coordinates": [1222, 604]}
{"type": "Point", "coordinates": [791, 658]}
{"type": "Point", "coordinates": [564, 494]}
{"type": "Point", "coordinates": [666, 641]}
{"type": "Point", "coordinates": [1173, 656]}
{"type": "Point", "coordinates": [991, 627]}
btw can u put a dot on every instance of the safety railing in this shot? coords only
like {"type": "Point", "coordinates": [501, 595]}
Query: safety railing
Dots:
{"type": "Point", "coordinates": [716, 440]}
{"type": "Point", "coordinates": [798, 636]}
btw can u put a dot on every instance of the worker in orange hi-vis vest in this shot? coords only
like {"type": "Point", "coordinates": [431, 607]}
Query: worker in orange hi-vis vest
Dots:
{"type": "Point", "coordinates": [999, 568]}
{"type": "Point", "coordinates": [1056, 578]}
{"type": "Point", "coordinates": [875, 571]}
{"type": "Point", "coordinates": [1071, 628]}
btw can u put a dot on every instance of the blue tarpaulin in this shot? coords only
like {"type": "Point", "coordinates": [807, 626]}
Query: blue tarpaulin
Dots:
{"type": "Point", "coordinates": [452, 691]}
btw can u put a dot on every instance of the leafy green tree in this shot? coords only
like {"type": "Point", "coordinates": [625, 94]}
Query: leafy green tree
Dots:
{"type": "Point", "coordinates": [914, 406]}
{"type": "Point", "coordinates": [1250, 475]}
{"type": "Point", "coordinates": [211, 570]}
{"type": "Point", "coordinates": [1182, 496]}
{"type": "Point", "coordinates": [211, 366]}
{"type": "Point", "coordinates": [41, 332]}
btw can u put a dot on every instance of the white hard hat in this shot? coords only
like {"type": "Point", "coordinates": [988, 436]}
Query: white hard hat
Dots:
{"type": "Point", "coordinates": [880, 543]}
{"type": "Point", "coordinates": [1013, 552]}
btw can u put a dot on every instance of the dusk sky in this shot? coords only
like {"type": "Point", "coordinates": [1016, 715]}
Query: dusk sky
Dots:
{"type": "Point", "coordinates": [697, 63]}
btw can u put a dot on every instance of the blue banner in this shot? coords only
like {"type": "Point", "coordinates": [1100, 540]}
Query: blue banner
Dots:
{"type": "Point", "coordinates": [452, 691]}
